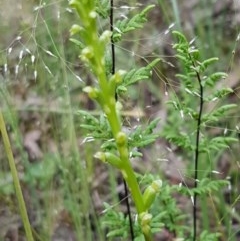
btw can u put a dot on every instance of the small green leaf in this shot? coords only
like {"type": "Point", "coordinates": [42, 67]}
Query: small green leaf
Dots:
{"type": "Point", "coordinates": [218, 94]}
{"type": "Point", "coordinates": [78, 43]}
{"type": "Point", "coordinates": [116, 233]}
{"type": "Point", "coordinates": [180, 36]}
{"type": "Point", "coordinates": [204, 65]}
{"type": "Point", "coordinates": [103, 8]}
{"type": "Point", "coordinates": [218, 113]}
{"type": "Point", "coordinates": [126, 25]}
{"type": "Point", "coordinates": [136, 75]}
{"type": "Point", "coordinates": [214, 78]}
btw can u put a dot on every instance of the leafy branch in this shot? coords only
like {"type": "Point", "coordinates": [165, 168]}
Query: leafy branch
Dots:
{"type": "Point", "coordinates": [194, 70]}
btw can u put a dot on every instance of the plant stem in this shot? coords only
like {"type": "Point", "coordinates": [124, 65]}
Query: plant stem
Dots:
{"type": "Point", "coordinates": [199, 120]}
{"type": "Point", "coordinates": [128, 210]}
{"type": "Point", "coordinates": [116, 98]}
{"type": "Point", "coordinates": [21, 203]}
{"type": "Point", "coordinates": [93, 55]}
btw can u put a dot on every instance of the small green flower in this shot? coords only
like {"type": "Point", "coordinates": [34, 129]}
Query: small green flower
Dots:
{"type": "Point", "coordinates": [74, 3]}
{"type": "Point", "coordinates": [101, 156]}
{"type": "Point", "coordinates": [93, 93]}
{"type": "Point", "coordinates": [92, 15]}
{"type": "Point", "coordinates": [145, 220]}
{"type": "Point", "coordinates": [121, 139]}
{"type": "Point", "coordinates": [87, 54]}
{"type": "Point", "coordinates": [151, 192]}
{"type": "Point", "coordinates": [109, 158]}
{"type": "Point", "coordinates": [117, 77]}
{"type": "Point", "coordinates": [106, 36]}
{"type": "Point", "coordinates": [75, 29]}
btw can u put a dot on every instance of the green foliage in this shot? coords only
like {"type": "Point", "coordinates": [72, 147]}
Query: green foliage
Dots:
{"type": "Point", "coordinates": [103, 8]}
{"type": "Point", "coordinates": [216, 143]}
{"type": "Point", "coordinates": [143, 136]}
{"type": "Point", "coordinates": [206, 236]}
{"type": "Point", "coordinates": [135, 75]}
{"type": "Point", "coordinates": [218, 113]}
{"type": "Point", "coordinates": [41, 173]}
{"type": "Point", "coordinates": [197, 82]}
{"type": "Point", "coordinates": [206, 186]}
{"type": "Point", "coordinates": [127, 25]}
{"type": "Point", "coordinates": [166, 204]}
{"type": "Point", "coordinates": [116, 222]}
{"type": "Point", "coordinates": [6, 185]}
{"type": "Point", "coordinates": [97, 128]}
{"type": "Point", "coordinates": [195, 73]}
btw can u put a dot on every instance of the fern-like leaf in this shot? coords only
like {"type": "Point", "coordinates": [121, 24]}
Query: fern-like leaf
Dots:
{"type": "Point", "coordinates": [126, 25]}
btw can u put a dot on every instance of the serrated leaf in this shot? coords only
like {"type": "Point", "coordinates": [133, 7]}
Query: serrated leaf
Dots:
{"type": "Point", "coordinates": [142, 137]}
{"type": "Point", "coordinates": [103, 8]}
{"type": "Point", "coordinates": [88, 116]}
{"type": "Point", "coordinates": [219, 94]}
{"type": "Point", "coordinates": [88, 127]}
{"type": "Point", "coordinates": [204, 65]}
{"type": "Point", "coordinates": [117, 233]}
{"type": "Point", "coordinates": [210, 81]}
{"type": "Point", "coordinates": [126, 25]}
{"type": "Point", "coordinates": [136, 75]}
{"type": "Point", "coordinates": [219, 112]}
{"type": "Point", "coordinates": [182, 76]}
{"type": "Point", "coordinates": [98, 128]}
{"type": "Point", "coordinates": [206, 185]}
{"type": "Point", "coordinates": [181, 38]}
{"type": "Point", "coordinates": [78, 43]}
{"type": "Point", "coordinates": [217, 143]}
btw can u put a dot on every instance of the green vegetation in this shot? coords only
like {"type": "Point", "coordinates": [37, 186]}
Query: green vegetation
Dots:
{"type": "Point", "coordinates": [114, 135]}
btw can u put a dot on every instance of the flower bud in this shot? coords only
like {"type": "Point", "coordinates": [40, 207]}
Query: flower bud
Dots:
{"type": "Point", "coordinates": [106, 36]}
{"type": "Point", "coordinates": [87, 53]}
{"type": "Point", "coordinates": [93, 93]}
{"type": "Point", "coordinates": [117, 77]}
{"type": "Point", "coordinates": [113, 160]}
{"type": "Point", "coordinates": [101, 156]}
{"type": "Point", "coordinates": [150, 193]}
{"type": "Point", "coordinates": [74, 3]}
{"type": "Point", "coordinates": [121, 138]}
{"type": "Point", "coordinates": [93, 14]}
{"type": "Point", "coordinates": [109, 158]}
{"type": "Point", "coordinates": [75, 29]}
{"type": "Point", "coordinates": [145, 220]}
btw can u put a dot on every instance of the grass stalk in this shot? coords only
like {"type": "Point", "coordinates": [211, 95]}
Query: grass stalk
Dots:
{"type": "Point", "coordinates": [19, 194]}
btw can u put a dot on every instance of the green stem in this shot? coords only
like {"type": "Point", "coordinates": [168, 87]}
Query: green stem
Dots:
{"type": "Point", "coordinates": [148, 236]}
{"type": "Point", "coordinates": [127, 170]}
{"type": "Point", "coordinates": [93, 54]}
{"type": "Point", "coordinates": [133, 186]}
{"type": "Point", "coordinates": [22, 207]}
